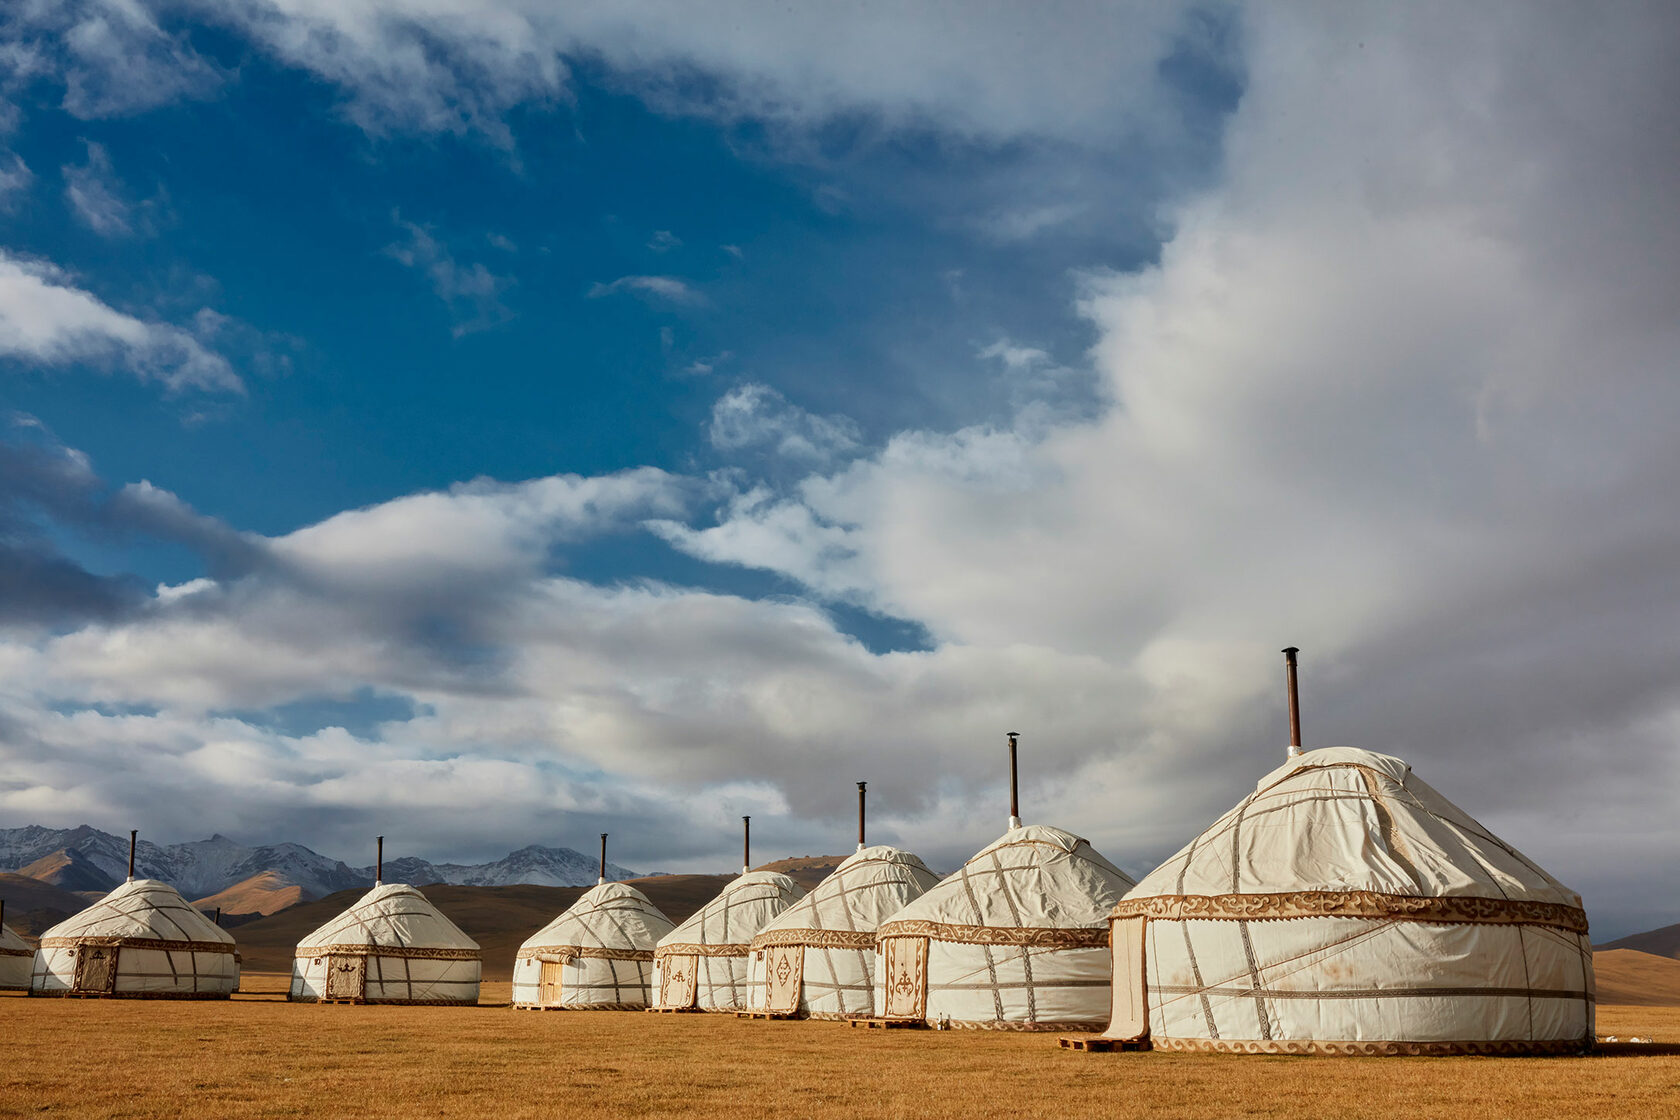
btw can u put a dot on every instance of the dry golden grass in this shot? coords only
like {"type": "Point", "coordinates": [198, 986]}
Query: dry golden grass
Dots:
{"type": "Point", "coordinates": [259, 1056]}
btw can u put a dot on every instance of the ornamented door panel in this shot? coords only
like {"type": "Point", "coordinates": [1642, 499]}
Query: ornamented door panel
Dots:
{"type": "Point", "coordinates": [677, 981]}
{"type": "Point", "coordinates": [784, 977]}
{"type": "Point", "coordinates": [1129, 1019]}
{"type": "Point", "coordinates": [346, 977]}
{"type": "Point", "coordinates": [905, 962]}
{"type": "Point", "coordinates": [96, 968]}
{"type": "Point", "coordinates": [548, 991]}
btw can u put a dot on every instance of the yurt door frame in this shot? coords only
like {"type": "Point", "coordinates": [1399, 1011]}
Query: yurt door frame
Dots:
{"type": "Point", "coordinates": [677, 980]}
{"type": "Point", "coordinates": [346, 976]}
{"type": "Point", "coordinates": [784, 978]}
{"type": "Point", "coordinates": [904, 960]}
{"type": "Point", "coordinates": [551, 983]}
{"type": "Point", "coordinates": [96, 968]}
{"type": "Point", "coordinates": [1129, 1016]}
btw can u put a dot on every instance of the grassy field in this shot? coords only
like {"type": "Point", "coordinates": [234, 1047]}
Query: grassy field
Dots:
{"type": "Point", "coordinates": [258, 1056]}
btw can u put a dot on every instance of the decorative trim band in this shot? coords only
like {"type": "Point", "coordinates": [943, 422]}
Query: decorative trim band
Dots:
{"type": "Point", "coordinates": [1353, 904]}
{"type": "Point", "coordinates": [569, 952]}
{"type": "Point", "coordinates": [17, 952]}
{"type": "Point", "coordinates": [156, 944]}
{"type": "Point", "coordinates": [406, 1002]}
{"type": "Point", "coordinates": [1031, 937]}
{"type": "Point", "coordinates": [68, 993]}
{"type": "Point", "coordinates": [1373, 1048]}
{"type": "Point", "coordinates": [521, 1006]}
{"type": "Point", "coordinates": [365, 950]}
{"type": "Point", "coordinates": [1319, 995]}
{"type": "Point", "coordinates": [818, 938]}
{"type": "Point", "coordinates": [1069, 1025]}
{"type": "Point", "coordinates": [681, 950]}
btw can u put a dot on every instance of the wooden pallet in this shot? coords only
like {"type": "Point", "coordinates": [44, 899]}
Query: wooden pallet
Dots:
{"type": "Point", "coordinates": [764, 1014]}
{"type": "Point", "coordinates": [673, 1011]}
{"type": "Point", "coordinates": [351, 1001]}
{"type": "Point", "coordinates": [538, 1007]}
{"type": "Point", "coordinates": [888, 1024]}
{"type": "Point", "coordinates": [1097, 1044]}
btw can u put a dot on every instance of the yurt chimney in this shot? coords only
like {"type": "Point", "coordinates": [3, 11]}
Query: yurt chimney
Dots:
{"type": "Point", "coordinates": [379, 862]}
{"type": "Point", "coordinates": [1014, 783]}
{"type": "Point", "coordinates": [1294, 701]}
{"type": "Point", "coordinates": [603, 877]}
{"type": "Point", "coordinates": [861, 786]}
{"type": "Point", "coordinates": [133, 839]}
{"type": "Point", "coordinates": [2, 911]}
{"type": "Point", "coordinates": [746, 845]}
{"type": "Point", "coordinates": [218, 917]}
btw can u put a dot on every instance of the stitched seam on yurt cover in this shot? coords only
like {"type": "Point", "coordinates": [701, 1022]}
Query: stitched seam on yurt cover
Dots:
{"type": "Point", "coordinates": [1189, 945]}
{"type": "Point", "coordinates": [1447, 909]}
{"type": "Point", "coordinates": [1260, 1011]}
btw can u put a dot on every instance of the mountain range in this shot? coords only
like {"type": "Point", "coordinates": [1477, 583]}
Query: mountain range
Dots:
{"type": "Point", "coordinates": [243, 879]}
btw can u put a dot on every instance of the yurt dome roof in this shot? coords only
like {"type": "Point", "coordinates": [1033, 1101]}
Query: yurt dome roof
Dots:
{"type": "Point", "coordinates": [738, 912]}
{"type": "Point", "coordinates": [141, 909]}
{"type": "Point", "coordinates": [608, 916]}
{"type": "Point", "coordinates": [391, 914]}
{"type": "Point", "coordinates": [867, 887]}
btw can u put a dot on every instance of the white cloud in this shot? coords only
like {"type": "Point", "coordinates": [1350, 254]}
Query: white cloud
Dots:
{"type": "Point", "coordinates": [472, 292]}
{"type": "Point", "coordinates": [665, 289]}
{"type": "Point", "coordinates": [15, 180]}
{"type": "Point", "coordinates": [663, 241]}
{"type": "Point", "coordinates": [46, 320]}
{"type": "Point", "coordinates": [95, 195]}
{"type": "Point", "coordinates": [755, 416]}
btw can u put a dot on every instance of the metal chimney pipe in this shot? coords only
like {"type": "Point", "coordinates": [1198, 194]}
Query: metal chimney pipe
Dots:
{"type": "Point", "coordinates": [133, 835]}
{"type": "Point", "coordinates": [218, 916]}
{"type": "Point", "coordinates": [379, 862]}
{"type": "Point", "coordinates": [861, 786]}
{"type": "Point", "coordinates": [603, 877]}
{"type": "Point", "coordinates": [1294, 701]}
{"type": "Point", "coordinates": [746, 845]}
{"type": "Point", "coordinates": [2, 911]}
{"type": "Point", "coordinates": [1014, 783]}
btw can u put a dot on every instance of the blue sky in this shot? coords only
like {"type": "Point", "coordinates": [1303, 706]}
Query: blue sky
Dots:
{"type": "Point", "coordinates": [533, 421]}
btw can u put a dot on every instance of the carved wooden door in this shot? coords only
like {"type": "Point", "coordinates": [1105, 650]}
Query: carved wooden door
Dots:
{"type": "Point", "coordinates": [784, 977]}
{"type": "Point", "coordinates": [553, 972]}
{"type": "Point", "coordinates": [904, 960]}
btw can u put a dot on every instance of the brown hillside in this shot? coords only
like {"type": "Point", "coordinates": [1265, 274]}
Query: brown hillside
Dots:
{"type": "Point", "coordinates": [266, 892]}
{"type": "Point", "coordinates": [69, 870]}
{"type": "Point", "coordinates": [807, 871]}
{"type": "Point", "coordinates": [1664, 942]}
{"type": "Point", "coordinates": [1629, 976]}
{"type": "Point", "coordinates": [32, 906]}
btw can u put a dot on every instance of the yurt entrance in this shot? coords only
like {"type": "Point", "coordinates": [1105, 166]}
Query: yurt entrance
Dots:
{"type": "Point", "coordinates": [96, 969]}
{"type": "Point", "coordinates": [784, 973]}
{"type": "Point", "coordinates": [677, 987]}
{"type": "Point", "coordinates": [905, 962]}
{"type": "Point", "coordinates": [551, 981]}
{"type": "Point", "coordinates": [1129, 1020]}
{"type": "Point", "coordinates": [346, 977]}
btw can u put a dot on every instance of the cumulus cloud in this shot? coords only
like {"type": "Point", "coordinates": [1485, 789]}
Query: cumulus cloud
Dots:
{"type": "Point", "coordinates": [95, 195]}
{"type": "Point", "coordinates": [659, 289]}
{"type": "Point", "coordinates": [46, 320]}
{"type": "Point", "coordinates": [112, 57]}
{"type": "Point", "coordinates": [754, 416]}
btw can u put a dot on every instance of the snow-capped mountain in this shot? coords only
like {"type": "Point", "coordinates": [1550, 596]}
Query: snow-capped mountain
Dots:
{"type": "Point", "coordinates": [203, 867]}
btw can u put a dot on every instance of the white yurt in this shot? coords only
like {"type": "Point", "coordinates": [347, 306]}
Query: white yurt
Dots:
{"type": "Point", "coordinates": [141, 941]}
{"type": "Point", "coordinates": [598, 955]}
{"type": "Point", "coordinates": [1015, 939]}
{"type": "Point", "coordinates": [702, 964]}
{"type": "Point", "coordinates": [15, 957]}
{"type": "Point", "coordinates": [817, 959]}
{"type": "Point", "coordinates": [1345, 907]}
{"type": "Point", "coordinates": [392, 946]}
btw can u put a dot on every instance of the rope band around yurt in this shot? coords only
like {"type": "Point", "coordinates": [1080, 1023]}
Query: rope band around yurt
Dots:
{"type": "Point", "coordinates": [571, 952]}
{"type": "Point", "coordinates": [681, 950]}
{"type": "Point", "coordinates": [1353, 904]}
{"type": "Point", "coordinates": [817, 938]}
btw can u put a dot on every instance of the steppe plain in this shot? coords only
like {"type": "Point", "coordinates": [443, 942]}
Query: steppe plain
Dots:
{"type": "Point", "coordinates": [259, 1056]}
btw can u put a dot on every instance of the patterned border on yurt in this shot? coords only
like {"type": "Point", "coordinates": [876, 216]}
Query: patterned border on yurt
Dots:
{"type": "Point", "coordinates": [71, 993]}
{"type": "Point", "coordinates": [1374, 1048]}
{"type": "Point", "coordinates": [1446, 909]}
{"type": "Point", "coordinates": [689, 949]}
{"type": "Point", "coordinates": [1071, 1026]}
{"type": "Point", "coordinates": [366, 950]}
{"type": "Point", "coordinates": [817, 938]}
{"type": "Point", "coordinates": [1032, 937]}
{"type": "Point", "coordinates": [559, 953]}
{"type": "Point", "coordinates": [153, 943]}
